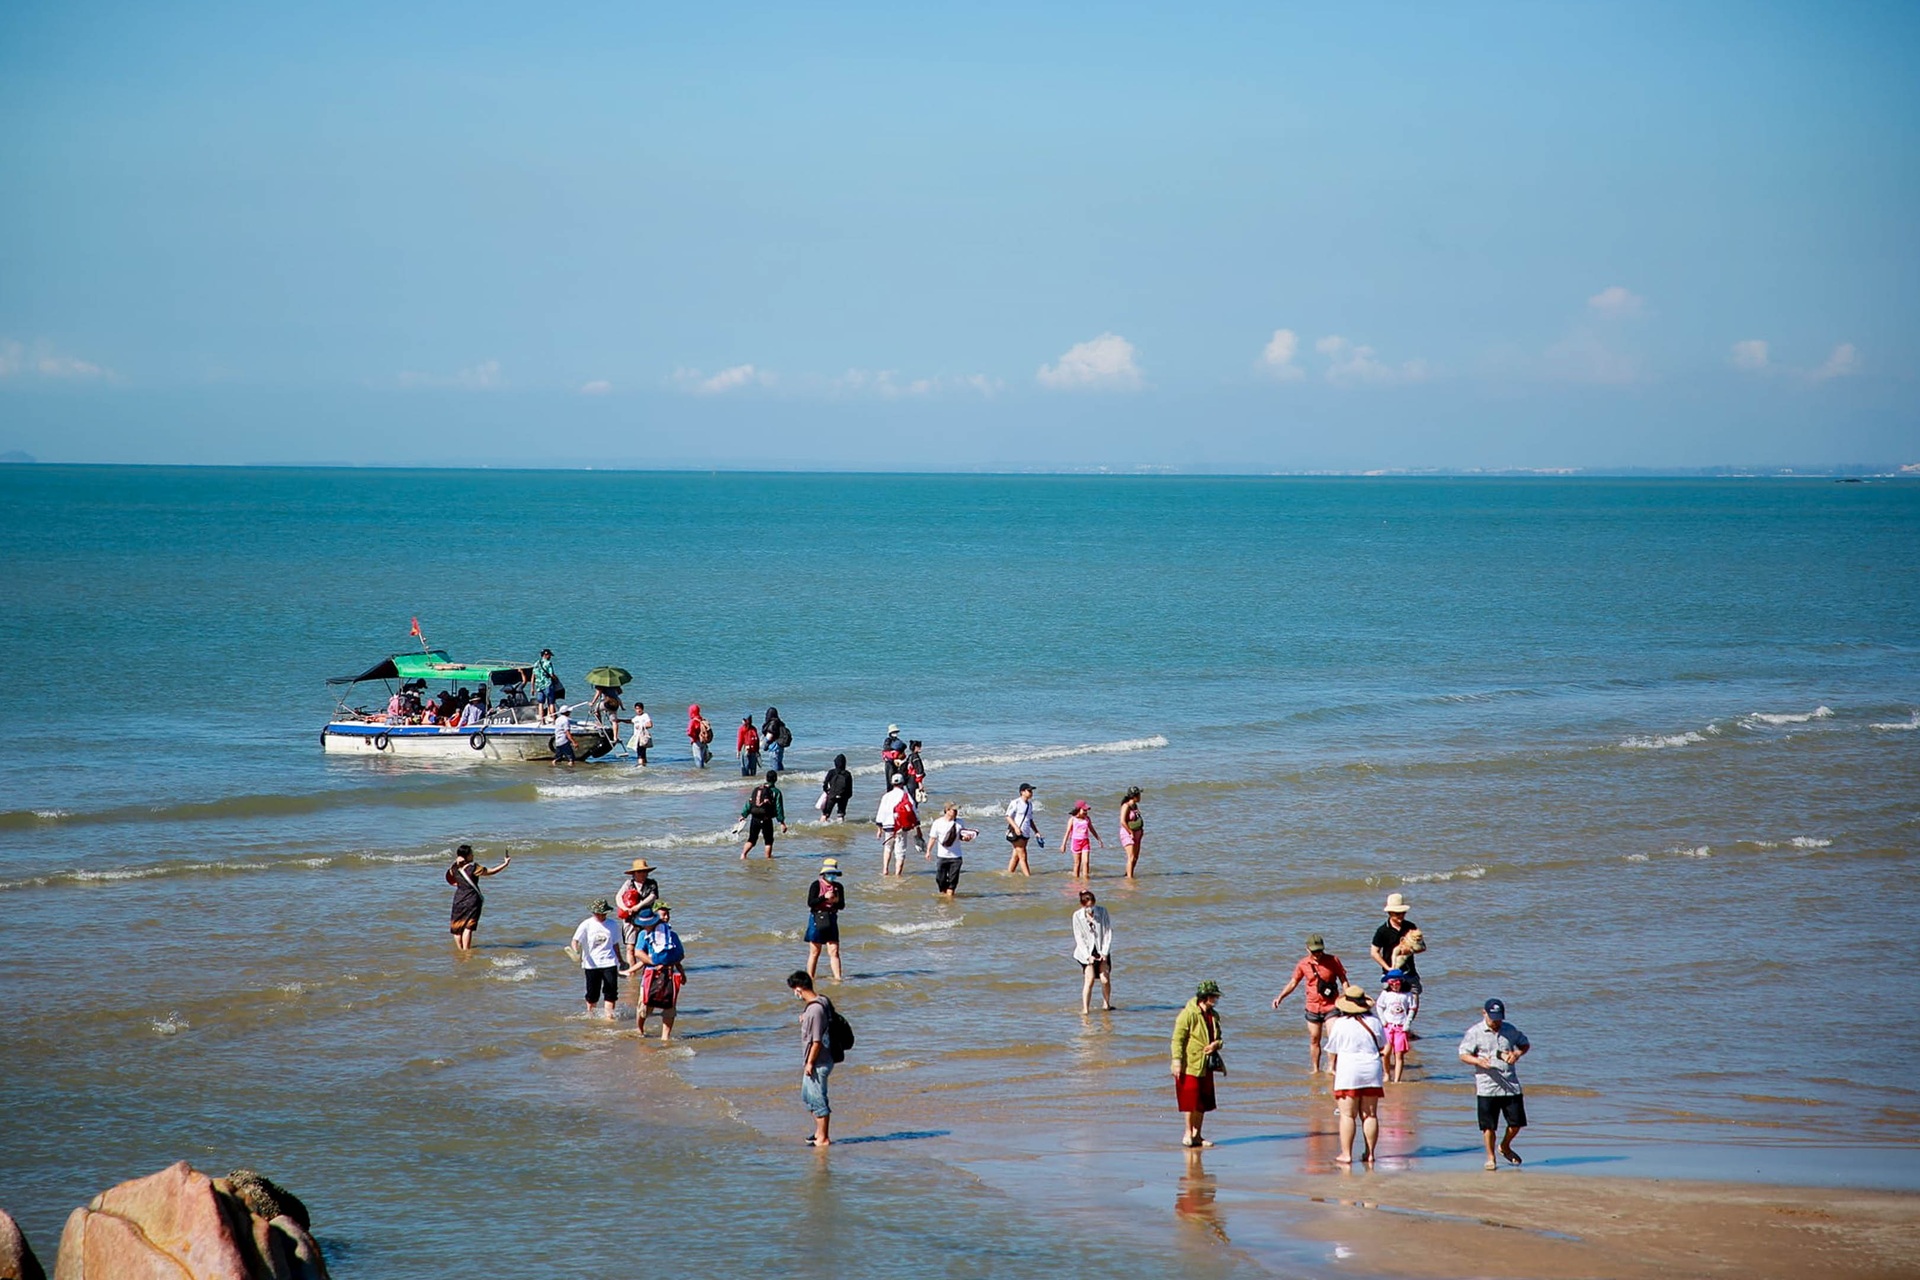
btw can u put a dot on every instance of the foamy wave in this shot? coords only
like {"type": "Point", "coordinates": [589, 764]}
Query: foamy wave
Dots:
{"type": "Point", "coordinates": [49, 815]}
{"type": "Point", "coordinates": [902, 1065]}
{"type": "Point", "coordinates": [925, 926]}
{"type": "Point", "coordinates": [1441, 877]}
{"type": "Point", "coordinates": [984, 810]}
{"type": "Point", "coordinates": [1697, 851]}
{"type": "Point", "coordinates": [445, 856]}
{"type": "Point", "coordinates": [171, 1025]}
{"type": "Point", "coordinates": [1637, 857]}
{"type": "Point", "coordinates": [1911, 723]}
{"type": "Point", "coordinates": [515, 975]}
{"type": "Point", "coordinates": [1154, 743]}
{"type": "Point", "coordinates": [292, 988]}
{"type": "Point", "coordinates": [681, 841]}
{"type": "Point", "coordinates": [1656, 743]}
{"type": "Point", "coordinates": [1809, 842]}
{"type": "Point", "coordinates": [1768, 718]}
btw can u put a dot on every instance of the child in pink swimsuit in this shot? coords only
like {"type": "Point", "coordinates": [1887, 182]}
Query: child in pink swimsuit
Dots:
{"type": "Point", "coordinates": [1080, 839]}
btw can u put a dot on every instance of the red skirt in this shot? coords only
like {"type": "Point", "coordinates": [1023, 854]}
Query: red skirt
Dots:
{"type": "Point", "coordinates": [1194, 1093]}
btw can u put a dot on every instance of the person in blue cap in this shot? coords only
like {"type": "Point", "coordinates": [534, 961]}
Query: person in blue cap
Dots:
{"type": "Point", "coordinates": [1493, 1047]}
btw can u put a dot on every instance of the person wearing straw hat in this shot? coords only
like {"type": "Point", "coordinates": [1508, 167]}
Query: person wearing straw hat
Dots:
{"type": "Point", "coordinates": [1357, 1042]}
{"type": "Point", "coordinates": [637, 893]}
{"type": "Point", "coordinates": [1197, 1038]}
{"type": "Point", "coordinates": [1390, 936]}
{"type": "Point", "coordinates": [596, 945]}
{"type": "Point", "coordinates": [826, 899]}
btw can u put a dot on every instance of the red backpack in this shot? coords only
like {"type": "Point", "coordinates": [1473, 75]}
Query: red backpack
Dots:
{"type": "Point", "coordinates": [904, 815]}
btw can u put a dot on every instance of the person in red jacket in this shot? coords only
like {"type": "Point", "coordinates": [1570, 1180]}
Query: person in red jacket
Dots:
{"type": "Point", "coordinates": [699, 735]}
{"type": "Point", "coordinates": [746, 741]}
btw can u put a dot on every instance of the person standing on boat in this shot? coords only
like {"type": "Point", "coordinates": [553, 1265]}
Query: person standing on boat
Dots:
{"type": "Point", "coordinates": [699, 736]}
{"type": "Point", "coordinates": [464, 875]}
{"type": "Point", "coordinates": [746, 741]}
{"type": "Point", "coordinates": [775, 738]}
{"type": "Point", "coordinates": [546, 685]}
{"type": "Point", "coordinates": [642, 734]}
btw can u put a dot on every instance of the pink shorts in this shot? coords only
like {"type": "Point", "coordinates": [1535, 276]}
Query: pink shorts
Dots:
{"type": "Point", "coordinates": [1128, 839]}
{"type": "Point", "coordinates": [1082, 846]}
{"type": "Point", "coordinates": [1396, 1039]}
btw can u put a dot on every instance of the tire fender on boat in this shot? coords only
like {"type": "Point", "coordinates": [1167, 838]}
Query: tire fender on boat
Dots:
{"type": "Point", "coordinates": [478, 740]}
{"type": "Point", "coordinates": [381, 741]}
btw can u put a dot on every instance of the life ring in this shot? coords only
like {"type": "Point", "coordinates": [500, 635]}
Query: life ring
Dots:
{"type": "Point", "coordinates": [477, 739]}
{"type": "Point", "coordinates": [381, 741]}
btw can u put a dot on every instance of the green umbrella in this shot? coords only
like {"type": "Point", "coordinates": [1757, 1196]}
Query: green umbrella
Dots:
{"type": "Point", "coordinates": [609, 677]}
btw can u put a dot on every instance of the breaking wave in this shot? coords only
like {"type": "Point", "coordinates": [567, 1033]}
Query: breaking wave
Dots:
{"type": "Point", "coordinates": [925, 926]}
{"type": "Point", "coordinates": [1759, 718]}
{"type": "Point", "coordinates": [1911, 723]}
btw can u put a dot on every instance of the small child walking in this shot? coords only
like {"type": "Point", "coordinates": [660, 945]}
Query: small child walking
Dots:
{"type": "Point", "coordinates": [1396, 1008]}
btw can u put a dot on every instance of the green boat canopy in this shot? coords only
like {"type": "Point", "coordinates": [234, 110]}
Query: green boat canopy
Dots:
{"type": "Point", "coordinates": [436, 665]}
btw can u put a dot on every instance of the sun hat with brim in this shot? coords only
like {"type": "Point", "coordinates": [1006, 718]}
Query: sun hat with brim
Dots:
{"type": "Point", "coordinates": [600, 907]}
{"type": "Point", "coordinates": [1353, 1000]}
{"type": "Point", "coordinates": [646, 919]}
{"type": "Point", "coordinates": [1397, 905]}
{"type": "Point", "coordinates": [893, 728]}
{"type": "Point", "coordinates": [1205, 989]}
{"type": "Point", "coordinates": [1394, 975]}
{"type": "Point", "coordinates": [639, 864]}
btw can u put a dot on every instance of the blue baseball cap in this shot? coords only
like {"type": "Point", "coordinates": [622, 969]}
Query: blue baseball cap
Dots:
{"type": "Point", "coordinates": [1497, 1008]}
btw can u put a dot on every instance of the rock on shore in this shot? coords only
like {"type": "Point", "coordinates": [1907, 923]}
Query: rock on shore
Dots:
{"type": "Point", "coordinates": [179, 1224]}
{"type": "Point", "coordinates": [16, 1255]}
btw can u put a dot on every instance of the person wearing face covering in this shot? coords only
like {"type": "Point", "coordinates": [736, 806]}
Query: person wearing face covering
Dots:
{"type": "Point", "coordinates": [775, 738]}
{"type": "Point", "coordinates": [835, 790]}
{"type": "Point", "coordinates": [699, 735]}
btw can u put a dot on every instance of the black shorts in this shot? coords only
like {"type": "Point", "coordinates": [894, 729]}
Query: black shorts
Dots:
{"type": "Point", "coordinates": [837, 805]}
{"type": "Point", "coordinates": [563, 751]}
{"type": "Point", "coordinates": [946, 873]}
{"type": "Point", "coordinates": [1317, 1017]}
{"type": "Point", "coordinates": [760, 828]}
{"type": "Point", "coordinates": [603, 984]}
{"type": "Point", "coordinates": [1513, 1106]}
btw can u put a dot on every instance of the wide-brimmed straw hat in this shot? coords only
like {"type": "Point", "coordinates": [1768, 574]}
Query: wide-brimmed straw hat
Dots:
{"type": "Point", "coordinates": [1353, 1000]}
{"type": "Point", "coordinates": [639, 864]}
{"type": "Point", "coordinates": [1397, 905]}
{"type": "Point", "coordinates": [830, 867]}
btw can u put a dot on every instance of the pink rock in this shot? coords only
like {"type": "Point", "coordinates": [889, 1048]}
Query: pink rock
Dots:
{"type": "Point", "coordinates": [16, 1255]}
{"type": "Point", "coordinates": [179, 1224]}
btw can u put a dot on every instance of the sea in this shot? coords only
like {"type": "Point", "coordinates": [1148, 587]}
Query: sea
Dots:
{"type": "Point", "coordinates": [1644, 755]}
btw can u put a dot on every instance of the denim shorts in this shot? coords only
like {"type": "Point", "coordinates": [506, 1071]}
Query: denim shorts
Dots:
{"type": "Point", "coordinates": [813, 1088]}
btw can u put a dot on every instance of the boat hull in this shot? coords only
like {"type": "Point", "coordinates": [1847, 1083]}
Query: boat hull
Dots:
{"type": "Point", "coordinates": [495, 742]}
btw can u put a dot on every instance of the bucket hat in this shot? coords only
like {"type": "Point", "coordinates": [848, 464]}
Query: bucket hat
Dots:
{"type": "Point", "coordinates": [1397, 905]}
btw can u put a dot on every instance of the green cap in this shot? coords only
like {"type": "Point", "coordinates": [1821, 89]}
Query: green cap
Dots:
{"type": "Point", "coordinates": [1316, 943]}
{"type": "Point", "coordinates": [1205, 989]}
{"type": "Point", "coordinates": [600, 907]}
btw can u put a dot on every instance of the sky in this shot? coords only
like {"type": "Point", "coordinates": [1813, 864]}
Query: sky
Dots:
{"type": "Point", "coordinates": [1204, 237]}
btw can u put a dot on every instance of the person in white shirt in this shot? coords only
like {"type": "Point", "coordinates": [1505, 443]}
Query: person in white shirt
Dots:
{"type": "Point", "coordinates": [944, 839]}
{"type": "Point", "coordinates": [1358, 1044]}
{"type": "Point", "coordinates": [642, 734]}
{"type": "Point", "coordinates": [1020, 829]}
{"type": "Point", "coordinates": [897, 829]}
{"type": "Point", "coordinates": [563, 738]}
{"type": "Point", "coordinates": [1093, 948]}
{"type": "Point", "coordinates": [1397, 1008]}
{"type": "Point", "coordinates": [596, 945]}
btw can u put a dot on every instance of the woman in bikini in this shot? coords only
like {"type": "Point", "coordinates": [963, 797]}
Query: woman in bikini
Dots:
{"type": "Point", "coordinates": [1132, 828]}
{"type": "Point", "coordinates": [1080, 838]}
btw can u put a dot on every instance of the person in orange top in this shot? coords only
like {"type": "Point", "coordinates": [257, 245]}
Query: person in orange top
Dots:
{"type": "Point", "coordinates": [1324, 976]}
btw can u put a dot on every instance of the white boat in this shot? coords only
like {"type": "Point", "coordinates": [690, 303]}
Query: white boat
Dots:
{"type": "Point", "coordinates": [508, 728]}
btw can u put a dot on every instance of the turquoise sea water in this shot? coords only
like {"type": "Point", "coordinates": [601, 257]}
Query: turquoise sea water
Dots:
{"type": "Point", "coordinates": [1644, 754]}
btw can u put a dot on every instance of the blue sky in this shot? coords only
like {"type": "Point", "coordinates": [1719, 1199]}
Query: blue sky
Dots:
{"type": "Point", "coordinates": [1197, 236]}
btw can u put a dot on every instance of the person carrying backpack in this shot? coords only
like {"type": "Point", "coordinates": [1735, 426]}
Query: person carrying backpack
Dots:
{"type": "Point", "coordinates": [746, 741]}
{"type": "Point", "coordinates": [825, 1037]}
{"type": "Point", "coordinates": [699, 736]}
{"type": "Point", "coordinates": [764, 807]}
{"type": "Point", "coordinates": [657, 968]}
{"type": "Point", "coordinates": [836, 788]}
{"type": "Point", "coordinates": [775, 738]}
{"type": "Point", "coordinates": [826, 899]}
{"type": "Point", "coordinates": [899, 822]}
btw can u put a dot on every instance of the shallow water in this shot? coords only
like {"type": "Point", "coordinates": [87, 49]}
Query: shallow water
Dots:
{"type": "Point", "coordinates": [1643, 753]}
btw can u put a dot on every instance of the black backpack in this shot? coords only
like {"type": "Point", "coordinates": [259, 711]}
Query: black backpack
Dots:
{"type": "Point", "coordinates": [762, 801]}
{"type": "Point", "coordinates": [839, 1032]}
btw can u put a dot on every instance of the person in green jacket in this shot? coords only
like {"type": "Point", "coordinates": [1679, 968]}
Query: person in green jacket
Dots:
{"type": "Point", "coordinates": [1197, 1038]}
{"type": "Point", "coordinates": [764, 807]}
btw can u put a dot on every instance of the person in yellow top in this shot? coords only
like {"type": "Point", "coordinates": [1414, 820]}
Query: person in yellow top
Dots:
{"type": "Point", "coordinates": [1197, 1038]}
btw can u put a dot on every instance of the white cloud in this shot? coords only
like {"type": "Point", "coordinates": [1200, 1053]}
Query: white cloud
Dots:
{"type": "Point", "coordinates": [598, 387]}
{"type": "Point", "coordinates": [1276, 359]}
{"type": "Point", "coordinates": [1843, 363]}
{"type": "Point", "coordinates": [1349, 364]}
{"type": "Point", "coordinates": [1098, 364]}
{"type": "Point", "coordinates": [1616, 301]}
{"type": "Point", "coordinates": [729, 379]}
{"type": "Point", "coordinates": [1750, 354]}
{"type": "Point", "coordinates": [42, 361]}
{"type": "Point", "coordinates": [484, 376]}
{"type": "Point", "coordinates": [888, 384]}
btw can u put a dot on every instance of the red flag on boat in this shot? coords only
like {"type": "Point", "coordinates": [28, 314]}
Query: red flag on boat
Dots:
{"type": "Point", "coordinates": [415, 633]}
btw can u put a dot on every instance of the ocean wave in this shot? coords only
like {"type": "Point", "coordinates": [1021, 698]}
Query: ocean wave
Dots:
{"type": "Point", "coordinates": [1809, 842]}
{"type": "Point", "coordinates": [511, 969]}
{"type": "Point", "coordinates": [171, 1025]}
{"type": "Point", "coordinates": [1636, 857]}
{"type": "Point", "coordinates": [1911, 723]}
{"type": "Point", "coordinates": [1662, 741]}
{"type": "Point", "coordinates": [1441, 877]}
{"type": "Point", "coordinates": [925, 926]}
{"type": "Point", "coordinates": [1758, 718]}
{"type": "Point", "coordinates": [1697, 851]}
{"type": "Point", "coordinates": [680, 840]}
{"type": "Point", "coordinates": [243, 807]}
